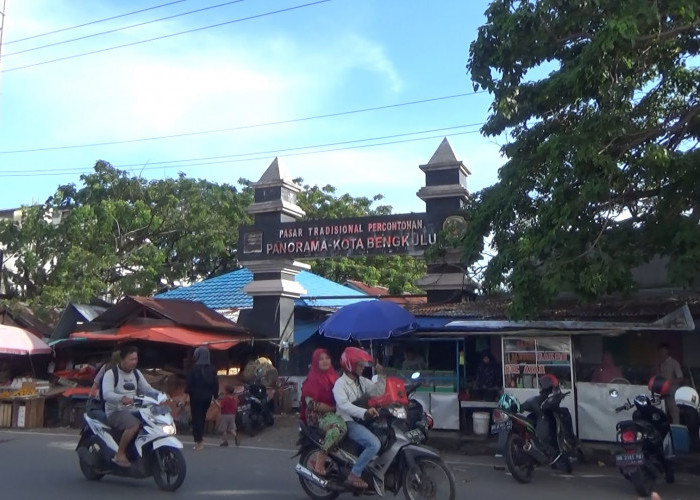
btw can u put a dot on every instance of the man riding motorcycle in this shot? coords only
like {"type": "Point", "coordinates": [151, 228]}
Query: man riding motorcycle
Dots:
{"type": "Point", "coordinates": [349, 388]}
{"type": "Point", "coordinates": [119, 393]}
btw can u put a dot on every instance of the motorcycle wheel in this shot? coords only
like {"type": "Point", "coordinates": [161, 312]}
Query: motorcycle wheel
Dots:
{"type": "Point", "coordinates": [432, 480]}
{"type": "Point", "coordinates": [313, 490]}
{"type": "Point", "coordinates": [93, 446]}
{"type": "Point", "coordinates": [519, 464]}
{"type": "Point", "coordinates": [642, 482]}
{"type": "Point", "coordinates": [169, 468]}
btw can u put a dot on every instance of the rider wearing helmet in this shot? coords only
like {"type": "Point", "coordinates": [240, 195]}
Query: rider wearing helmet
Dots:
{"type": "Point", "coordinates": [349, 388]}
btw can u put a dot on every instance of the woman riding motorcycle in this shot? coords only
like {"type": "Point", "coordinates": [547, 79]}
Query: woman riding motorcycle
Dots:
{"type": "Point", "coordinates": [349, 388]}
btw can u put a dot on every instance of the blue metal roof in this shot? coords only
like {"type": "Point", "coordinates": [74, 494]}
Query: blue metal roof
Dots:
{"type": "Point", "coordinates": [226, 291]}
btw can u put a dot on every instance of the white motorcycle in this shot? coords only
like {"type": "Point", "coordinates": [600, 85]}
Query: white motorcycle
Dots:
{"type": "Point", "coordinates": [154, 452]}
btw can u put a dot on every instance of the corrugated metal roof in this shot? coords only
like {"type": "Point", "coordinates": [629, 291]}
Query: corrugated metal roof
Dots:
{"type": "Point", "coordinates": [644, 306]}
{"type": "Point", "coordinates": [226, 291]}
{"type": "Point", "coordinates": [185, 313]}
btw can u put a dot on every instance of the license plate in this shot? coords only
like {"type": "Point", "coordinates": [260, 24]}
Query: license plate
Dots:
{"type": "Point", "coordinates": [242, 408]}
{"type": "Point", "coordinates": [629, 459]}
{"type": "Point", "coordinates": [503, 425]}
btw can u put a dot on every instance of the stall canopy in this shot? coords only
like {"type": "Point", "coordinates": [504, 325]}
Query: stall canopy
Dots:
{"type": "Point", "coordinates": [19, 341]}
{"type": "Point", "coordinates": [169, 334]}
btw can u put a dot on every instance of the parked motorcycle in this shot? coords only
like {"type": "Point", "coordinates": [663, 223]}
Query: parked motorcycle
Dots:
{"type": "Point", "coordinates": [540, 432]}
{"type": "Point", "coordinates": [155, 451]}
{"type": "Point", "coordinates": [647, 450]}
{"type": "Point", "coordinates": [255, 410]}
{"type": "Point", "coordinates": [401, 464]}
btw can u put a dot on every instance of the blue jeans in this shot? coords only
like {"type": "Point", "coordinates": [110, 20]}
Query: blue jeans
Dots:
{"type": "Point", "coordinates": [369, 442]}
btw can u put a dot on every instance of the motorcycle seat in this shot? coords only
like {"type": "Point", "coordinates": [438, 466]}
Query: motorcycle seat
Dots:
{"type": "Point", "coordinates": [97, 414]}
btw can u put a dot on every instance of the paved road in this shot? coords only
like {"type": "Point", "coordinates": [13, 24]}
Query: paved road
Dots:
{"type": "Point", "coordinates": [39, 465]}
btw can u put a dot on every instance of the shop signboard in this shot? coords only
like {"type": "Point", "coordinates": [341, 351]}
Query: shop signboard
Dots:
{"type": "Point", "coordinates": [374, 235]}
{"type": "Point", "coordinates": [526, 359]}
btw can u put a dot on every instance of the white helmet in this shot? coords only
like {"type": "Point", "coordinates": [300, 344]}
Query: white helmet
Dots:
{"type": "Point", "coordinates": [687, 396]}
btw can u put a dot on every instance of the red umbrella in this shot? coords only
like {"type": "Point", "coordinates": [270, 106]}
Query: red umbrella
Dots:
{"type": "Point", "coordinates": [15, 340]}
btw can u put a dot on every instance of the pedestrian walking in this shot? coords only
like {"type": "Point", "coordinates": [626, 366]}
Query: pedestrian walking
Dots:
{"type": "Point", "coordinates": [203, 389]}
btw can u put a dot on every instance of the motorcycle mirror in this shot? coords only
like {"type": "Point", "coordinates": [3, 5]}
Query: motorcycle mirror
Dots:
{"type": "Point", "coordinates": [613, 393]}
{"type": "Point", "coordinates": [415, 375]}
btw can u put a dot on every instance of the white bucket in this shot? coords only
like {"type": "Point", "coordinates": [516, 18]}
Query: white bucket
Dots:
{"type": "Point", "coordinates": [481, 423]}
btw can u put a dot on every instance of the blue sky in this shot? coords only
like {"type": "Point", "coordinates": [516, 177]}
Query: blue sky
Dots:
{"type": "Point", "coordinates": [333, 57]}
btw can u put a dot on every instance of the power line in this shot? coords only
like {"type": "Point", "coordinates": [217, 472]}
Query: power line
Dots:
{"type": "Point", "coordinates": [162, 37]}
{"type": "Point", "coordinates": [258, 155]}
{"type": "Point", "coordinates": [93, 22]}
{"type": "Point", "coordinates": [123, 28]}
{"type": "Point", "coordinates": [245, 127]}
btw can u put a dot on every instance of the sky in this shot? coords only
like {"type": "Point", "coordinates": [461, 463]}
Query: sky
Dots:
{"type": "Point", "coordinates": [221, 102]}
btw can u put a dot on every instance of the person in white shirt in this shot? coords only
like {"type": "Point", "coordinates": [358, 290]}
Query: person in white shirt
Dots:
{"type": "Point", "coordinates": [119, 396]}
{"type": "Point", "coordinates": [348, 389]}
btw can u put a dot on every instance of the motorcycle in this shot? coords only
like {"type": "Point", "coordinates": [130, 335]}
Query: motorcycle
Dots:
{"type": "Point", "coordinates": [254, 409]}
{"type": "Point", "coordinates": [155, 451]}
{"type": "Point", "coordinates": [419, 421]}
{"type": "Point", "coordinates": [524, 449]}
{"type": "Point", "coordinates": [401, 464]}
{"type": "Point", "coordinates": [647, 450]}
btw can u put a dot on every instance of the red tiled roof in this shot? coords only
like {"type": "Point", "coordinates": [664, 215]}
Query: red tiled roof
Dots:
{"type": "Point", "coordinates": [382, 293]}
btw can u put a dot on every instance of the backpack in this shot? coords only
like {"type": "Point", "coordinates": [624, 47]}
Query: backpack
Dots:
{"type": "Point", "coordinates": [115, 372]}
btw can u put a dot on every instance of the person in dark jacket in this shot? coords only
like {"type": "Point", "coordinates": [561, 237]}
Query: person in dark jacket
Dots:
{"type": "Point", "coordinates": [203, 388]}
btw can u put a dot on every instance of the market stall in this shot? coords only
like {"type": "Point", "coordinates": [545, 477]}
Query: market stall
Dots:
{"type": "Point", "coordinates": [24, 359]}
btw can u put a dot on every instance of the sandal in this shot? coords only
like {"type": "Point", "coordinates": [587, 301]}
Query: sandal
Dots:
{"type": "Point", "coordinates": [319, 465]}
{"type": "Point", "coordinates": [121, 463]}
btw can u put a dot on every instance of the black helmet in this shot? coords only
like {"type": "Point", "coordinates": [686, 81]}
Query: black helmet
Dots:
{"type": "Point", "coordinates": [548, 384]}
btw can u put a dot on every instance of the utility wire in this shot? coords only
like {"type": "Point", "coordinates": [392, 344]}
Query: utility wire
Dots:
{"type": "Point", "coordinates": [244, 127]}
{"type": "Point", "coordinates": [162, 37]}
{"type": "Point", "coordinates": [259, 155]}
{"type": "Point", "coordinates": [123, 28]}
{"type": "Point", "coordinates": [93, 22]}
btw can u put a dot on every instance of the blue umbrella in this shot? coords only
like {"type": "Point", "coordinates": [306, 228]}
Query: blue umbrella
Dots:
{"type": "Point", "coordinates": [369, 320]}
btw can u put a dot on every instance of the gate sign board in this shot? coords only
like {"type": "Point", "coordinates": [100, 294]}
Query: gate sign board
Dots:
{"type": "Point", "coordinates": [373, 235]}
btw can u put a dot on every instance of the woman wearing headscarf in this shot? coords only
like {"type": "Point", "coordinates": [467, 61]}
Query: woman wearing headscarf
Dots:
{"type": "Point", "coordinates": [318, 406]}
{"type": "Point", "coordinates": [203, 388]}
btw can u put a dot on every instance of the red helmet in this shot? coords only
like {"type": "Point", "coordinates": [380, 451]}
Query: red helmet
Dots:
{"type": "Point", "coordinates": [548, 383]}
{"type": "Point", "coordinates": [659, 385]}
{"type": "Point", "coordinates": [353, 355]}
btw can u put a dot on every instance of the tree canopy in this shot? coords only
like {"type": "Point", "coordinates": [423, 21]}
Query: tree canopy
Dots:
{"type": "Point", "coordinates": [600, 101]}
{"type": "Point", "coordinates": [396, 272]}
{"type": "Point", "coordinates": [117, 234]}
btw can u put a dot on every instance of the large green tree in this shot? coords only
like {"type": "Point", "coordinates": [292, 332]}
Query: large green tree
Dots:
{"type": "Point", "coordinates": [119, 234]}
{"type": "Point", "coordinates": [600, 101]}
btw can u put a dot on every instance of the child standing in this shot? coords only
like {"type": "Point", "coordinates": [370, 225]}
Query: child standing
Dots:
{"type": "Point", "coordinates": [227, 420]}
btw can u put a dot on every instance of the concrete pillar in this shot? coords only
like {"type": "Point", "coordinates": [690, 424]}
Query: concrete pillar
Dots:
{"type": "Point", "coordinates": [273, 288]}
{"type": "Point", "coordinates": [445, 194]}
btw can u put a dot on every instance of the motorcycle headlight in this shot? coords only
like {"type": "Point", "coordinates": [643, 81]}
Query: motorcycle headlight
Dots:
{"type": "Point", "coordinates": [169, 429]}
{"type": "Point", "coordinates": [399, 412]}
